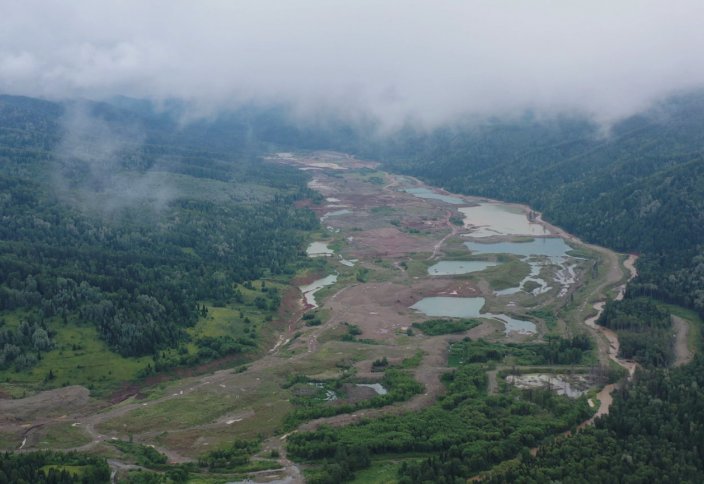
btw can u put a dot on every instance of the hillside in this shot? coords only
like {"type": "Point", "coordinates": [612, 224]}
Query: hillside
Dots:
{"type": "Point", "coordinates": [637, 188]}
{"type": "Point", "coordinates": [118, 226]}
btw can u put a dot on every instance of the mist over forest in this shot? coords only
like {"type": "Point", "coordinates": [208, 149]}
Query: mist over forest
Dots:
{"type": "Point", "coordinates": [373, 241]}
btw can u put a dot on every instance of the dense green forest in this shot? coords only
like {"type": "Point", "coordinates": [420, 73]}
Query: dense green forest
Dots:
{"type": "Point", "coordinates": [653, 433]}
{"type": "Point", "coordinates": [85, 241]}
{"type": "Point", "coordinates": [644, 330]}
{"type": "Point", "coordinates": [555, 351]}
{"type": "Point", "coordinates": [52, 468]}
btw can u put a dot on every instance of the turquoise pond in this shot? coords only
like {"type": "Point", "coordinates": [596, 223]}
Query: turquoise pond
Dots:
{"type": "Point", "coordinates": [470, 307]}
{"type": "Point", "coordinates": [539, 246]}
{"type": "Point", "coordinates": [456, 267]}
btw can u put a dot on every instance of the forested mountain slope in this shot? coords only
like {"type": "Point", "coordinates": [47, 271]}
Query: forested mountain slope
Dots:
{"type": "Point", "coordinates": [652, 433]}
{"type": "Point", "coordinates": [121, 221]}
{"type": "Point", "coordinates": [638, 187]}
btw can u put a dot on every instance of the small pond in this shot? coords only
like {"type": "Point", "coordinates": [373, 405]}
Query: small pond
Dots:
{"type": "Point", "coordinates": [427, 193]}
{"type": "Point", "coordinates": [335, 213]}
{"type": "Point", "coordinates": [318, 249]}
{"type": "Point", "coordinates": [455, 267]}
{"type": "Point", "coordinates": [572, 386]}
{"type": "Point", "coordinates": [348, 263]}
{"type": "Point", "coordinates": [470, 307]}
{"type": "Point", "coordinates": [377, 387]}
{"type": "Point", "coordinates": [452, 307]}
{"type": "Point", "coordinates": [309, 290]}
{"type": "Point", "coordinates": [488, 219]}
{"type": "Point", "coordinates": [539, 246]}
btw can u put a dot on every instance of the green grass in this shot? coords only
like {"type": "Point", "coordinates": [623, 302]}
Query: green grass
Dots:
{"type": "Point", "coordinates": [63, 436]}
{"type": "Point", "coordinates": [76, 471]}
{"type": "Point", "coordinates": [435, 327]}
{"type": "Point", "coordinates": [547, 316]}
{"type": "Point", "coordinates": [413, 361]}
{"type": "Point", "coordinates": [504, 276]}
{"type": "Point", "coordinates": [9, 441]}
{"type": "Point", "coordinates": [177, 413]}
{"type": "Point", "coordinates": [380, 472]}
{"type": "Point", "coordinates": [336, 246]}
{"type": "Point", "coordinates": [12, 319]}
{"type": "Point", "coordinates": [418, 268]}
{"type": "Point", "coordinates": [142, 454]}
{"type": "Point", "coordinates": [694, 339]}
{"type": "Point", "coordinates": [204, 405]}
{"type": "Point", "coordinates": [581, 253]}
{"type": "Point", "coordinates": [385, 210]}
{"type": "Point", "coordinates": [223, 321]}
{"type": "Point", "coordinates": [79, 357]}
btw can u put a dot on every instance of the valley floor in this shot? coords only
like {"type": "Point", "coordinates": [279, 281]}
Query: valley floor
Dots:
{"type": "Point", "coordinates": [382, 240]}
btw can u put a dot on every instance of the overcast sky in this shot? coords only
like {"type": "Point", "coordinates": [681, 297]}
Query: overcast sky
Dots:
{"type": "Point", "coordinates": [431, 59]}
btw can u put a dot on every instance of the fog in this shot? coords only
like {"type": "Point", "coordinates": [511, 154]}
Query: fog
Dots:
{"type": "Point", "coordinates": [86, 168]}
{"type": "Point", "coordinates": [429, 61]}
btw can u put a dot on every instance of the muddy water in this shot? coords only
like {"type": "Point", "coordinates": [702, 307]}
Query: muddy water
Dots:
{"type": "Point", "coordinates": [456, 267]}
{"type": "Point", "coordinates": [451, 307]}
{"type": "Point", "coordinates": [470, 307]}
{"type": "Point", "coordinates": [571, 386]}
{"type": "Point", "coordinates": [513, 325]}
{"type": "Point", "coordinates": [491, 219]}
{"type": "Point", "coordinates": [612, 338]}
{"type": "Point", "coordinates": [309, 290]}
{"type": "Point", "coordinates": [552, 247]}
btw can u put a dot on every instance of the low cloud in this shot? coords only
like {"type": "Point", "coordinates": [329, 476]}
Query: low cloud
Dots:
{"type": "Point", "coordinates": [430, 61]}
{"type": "Point", "coordinates": [97, 165]}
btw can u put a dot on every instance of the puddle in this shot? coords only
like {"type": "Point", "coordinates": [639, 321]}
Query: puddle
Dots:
{"type": "Point", "coordinates": [318, 249]}
{"type": "Point", "coordinates": [309, 290]}
{"type": "Point", "coordinates": [335, 213]}
{"type": "Point", "coordinates": [470, 307]}
{"type": "Point", "coordinates": [489, 219]}
{"type": "Point", "coordinates": [452, 307]}
{"type": "Point", "coordinates": [348, 263]}
{"type": "Point", "coordinates": [377, 387]}
{"type": "Point", "coordinates": [329, 394]}
{"type": "Point", "coordinates": [573, 386]}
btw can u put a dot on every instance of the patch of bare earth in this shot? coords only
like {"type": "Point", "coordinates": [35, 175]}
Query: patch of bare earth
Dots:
{"type": "Point", "coordinates": [388, 242]}
{"type": "Point", "coordinates": [383, 309]}
{"type": "Point", "coordinates": [47, 404]}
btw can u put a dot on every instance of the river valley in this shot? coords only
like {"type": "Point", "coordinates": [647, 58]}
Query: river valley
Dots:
{"type": "Point", "coordinates": [391, 252]}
